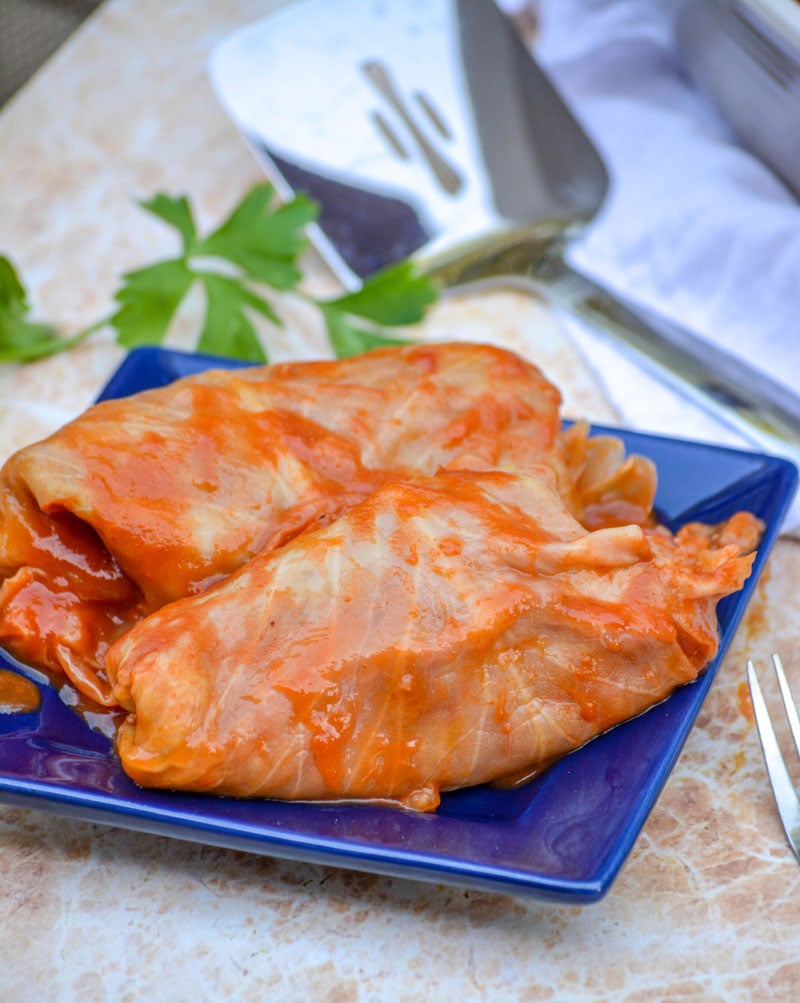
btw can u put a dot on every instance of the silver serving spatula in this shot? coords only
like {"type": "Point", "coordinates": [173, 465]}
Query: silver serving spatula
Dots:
{"type": "Point", "coordinates": [429, 130]}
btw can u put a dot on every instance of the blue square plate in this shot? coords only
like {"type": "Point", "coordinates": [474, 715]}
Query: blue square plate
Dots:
{"type": "Point", "coordinates": [562, 837]}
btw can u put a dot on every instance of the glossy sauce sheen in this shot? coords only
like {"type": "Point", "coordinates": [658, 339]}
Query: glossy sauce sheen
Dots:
{"type": "Point", "coordinates": [142, 501]}
{"type": "Point", "coordinates": [17, 694]}
{"type": "Point", "coordinates": [375, 579]}
{"type": "Point", "coordinates": [447, 631]}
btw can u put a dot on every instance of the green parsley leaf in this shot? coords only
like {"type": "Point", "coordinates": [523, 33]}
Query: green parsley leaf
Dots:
{"type": "Point", "coordinates": [177, 212]}
{"type": "Point", "coordinates": [227, 329]}
{"type": "Point", "coordinates": [258, 245]}
{"type": "Point", "coordinates": [265, 243]}
{"type": "Point", "coordinates": [397, 296]}
{"type": "Point", "coordinates": [348, 338]}
{"type": "Point", "coordinates": [261, 244]}
{"type": "Point", "coordinates": [149, 299]}
{"type": "Point", "coordinates": [21, 339]}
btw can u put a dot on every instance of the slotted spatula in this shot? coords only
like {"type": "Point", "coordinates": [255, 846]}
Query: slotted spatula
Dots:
{"type": "Point", "coordinates": [429, 130]}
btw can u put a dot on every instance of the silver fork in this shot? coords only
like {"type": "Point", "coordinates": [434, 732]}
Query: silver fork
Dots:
{"type": "Point", "coordinates": [782, 787]}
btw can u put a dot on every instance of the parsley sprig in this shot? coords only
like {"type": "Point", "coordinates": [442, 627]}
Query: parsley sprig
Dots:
{"type": "Point", "coordinates": [257, 249]}
{"type": "Point", "coordinates": [21, 339]}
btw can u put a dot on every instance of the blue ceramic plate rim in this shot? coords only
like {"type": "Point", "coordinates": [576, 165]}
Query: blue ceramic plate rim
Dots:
{"type": "Point", "coordinates": [563, 837]}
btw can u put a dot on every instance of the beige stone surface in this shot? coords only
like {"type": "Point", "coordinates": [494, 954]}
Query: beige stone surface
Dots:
{"type": "Point", "coordinates": [705, 907]}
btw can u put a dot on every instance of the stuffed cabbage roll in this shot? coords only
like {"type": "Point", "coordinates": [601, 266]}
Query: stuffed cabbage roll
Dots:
{"type": "Point", "coordinates": [141, 501]}
{"type": "Point", "coordinates": [444, 632]}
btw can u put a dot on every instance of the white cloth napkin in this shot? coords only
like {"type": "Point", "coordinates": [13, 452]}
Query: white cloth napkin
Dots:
{"type": "Point", "coordinates": [694, 226]}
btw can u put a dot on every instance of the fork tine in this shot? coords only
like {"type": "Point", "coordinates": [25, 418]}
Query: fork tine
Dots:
{"type": "Point", "coordinates": [782, 787]}
{"type": "Point", "coordinates": [788, 702]}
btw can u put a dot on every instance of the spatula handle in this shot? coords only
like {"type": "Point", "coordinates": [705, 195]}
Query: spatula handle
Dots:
{"type": "Point", "coordinates": [764, 412]}
{"type": "Point", "coordinates": [737, 394]}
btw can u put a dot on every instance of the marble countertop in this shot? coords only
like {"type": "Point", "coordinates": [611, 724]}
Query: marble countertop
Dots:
{"type": "Point", "coordinates": [705, 908]}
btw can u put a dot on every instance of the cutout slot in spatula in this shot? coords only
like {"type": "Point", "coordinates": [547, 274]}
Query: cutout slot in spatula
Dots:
{"type": "Point", "coordinates": [429, 130]}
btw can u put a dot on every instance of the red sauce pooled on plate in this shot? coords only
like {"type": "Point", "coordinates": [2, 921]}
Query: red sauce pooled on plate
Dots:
{"type": "Point", "coordinates": [18, 695]}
